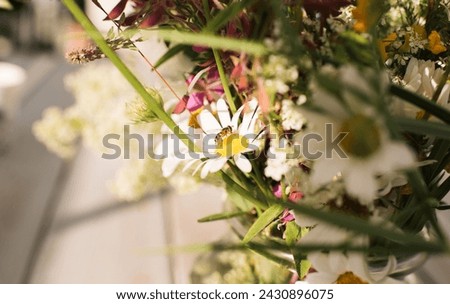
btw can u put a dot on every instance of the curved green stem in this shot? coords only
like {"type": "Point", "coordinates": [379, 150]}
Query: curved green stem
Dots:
{"type": "Point", "coordinates": [224, 80]}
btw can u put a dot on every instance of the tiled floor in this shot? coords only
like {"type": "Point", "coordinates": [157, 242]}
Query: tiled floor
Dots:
{"type": "Point", "coordinates": [28, 173]}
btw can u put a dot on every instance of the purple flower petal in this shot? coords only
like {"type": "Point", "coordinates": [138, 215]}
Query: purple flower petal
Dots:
{"type": "Point", "coordinates": [195, 101]}
{"type": "Point", "coordinates": [117, 10]}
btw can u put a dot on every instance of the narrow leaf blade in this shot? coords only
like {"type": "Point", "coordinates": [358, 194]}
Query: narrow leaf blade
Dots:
{"type": "Point", "coordinates": [263, 221]}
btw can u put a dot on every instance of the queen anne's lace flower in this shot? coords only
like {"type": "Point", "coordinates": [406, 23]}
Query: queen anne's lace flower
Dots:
{"type": "Point", "coordinates": [281, 159]}
{"type": "Point", "coordinates": [136, 178]}
{"type": "Point", "coordinates": [291, 115]}
{"type": "Point", "coordinates": [59, 131]}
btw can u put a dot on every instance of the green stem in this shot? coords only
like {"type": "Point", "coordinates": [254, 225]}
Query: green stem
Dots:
{"type": "Point", "coordinates": [224, 80]}
{"type": "Point", "coordinates": [259, 180]}
{"type": "Point", "coordinates": [220, 69]}
{"type": "Point", "coordinates": [242, 191]}
{"type": "Point", "coordinates": [97, 37]}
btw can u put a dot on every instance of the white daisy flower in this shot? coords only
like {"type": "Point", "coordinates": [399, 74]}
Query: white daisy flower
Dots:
{"type": "Point", "coordinates": [328, 235]}
{"type": "Point", "coordinates": [228, 138]}
{"type": "Point", "coordinates": [339, 268]}
{"type": "Point", "coordinates": [172, 150]}
{"type": "Point", "coordinates": [422, 77]}
{"type": "Point", "coordinates": [366, 153]}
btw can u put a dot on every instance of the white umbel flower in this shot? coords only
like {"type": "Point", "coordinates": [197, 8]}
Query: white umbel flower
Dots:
{"type": "Point", "coordinates": [291, 115]}
{"type": "Point", "coordinates": [59, 130]}
{"type": "Point", "coordinates": [231, 139]}
{"type": "Point", "coordinates": [136, 178]}
{"type": "Point", "coordinates": [280, 159]}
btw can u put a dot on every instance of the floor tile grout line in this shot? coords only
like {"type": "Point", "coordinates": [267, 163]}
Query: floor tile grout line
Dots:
{"type": "Point", "coordinates": [167, 217]}
{"type": "Point", "coordinates": [47, 221]}
{"type": "Point", "coordinates": [115, 206]}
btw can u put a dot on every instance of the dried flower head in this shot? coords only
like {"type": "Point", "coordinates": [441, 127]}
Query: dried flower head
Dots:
{"type": "Point", "coordinates": [84, 55]}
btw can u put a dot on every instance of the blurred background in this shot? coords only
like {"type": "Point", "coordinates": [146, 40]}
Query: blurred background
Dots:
{"type": "Point", "coordinates": [59, 223]}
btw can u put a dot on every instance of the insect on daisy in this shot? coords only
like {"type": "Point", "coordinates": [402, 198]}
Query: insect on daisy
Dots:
{"type": "Point", "coordinates": [232, 139]}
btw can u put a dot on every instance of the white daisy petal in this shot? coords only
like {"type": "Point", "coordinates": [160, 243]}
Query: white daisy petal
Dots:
{"type": "Point", "coordinates": [325, 170]}
{"type": "Point", "coordinates": [247, 118]}
{"type": "Point", "coordinates": [243, 163]}
{"type": "Point", "coordinates": [198, 168]}
{"type": "Point", "coordinates": [319, 261]}
{"type": "Point", "coordinates": [217, 164]}
{"type": "Point", "coordinates": [235, 118]}
{"type": "Point", "coordinates": [208, 122]}
{"type": "Point", "coordinates": [337, 262]}
{"type": "Point", "coordinates": [321, 278]}
{"type": "Point", "coordinates": [224, 113]}
{"type": "Point", "coordinates": [169, 165]}
{"type": "Point", "coordinates": [360, 184]}
{"type": "Point", "coordinates": [206, 169]}
{"type": "Point", "coordinates": [189, 164]}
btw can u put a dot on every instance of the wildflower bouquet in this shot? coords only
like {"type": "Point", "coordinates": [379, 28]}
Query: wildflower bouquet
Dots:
{"type": "Point", "coordinates": [327, 122]}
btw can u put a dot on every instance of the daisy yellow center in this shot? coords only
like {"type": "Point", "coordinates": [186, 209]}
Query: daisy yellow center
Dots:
{"type": "Point", "coordinates": [349, 278]}
{"type": "Point", "coordinates": [231, 144]}
{"type": "Point", "coordinates": [363, 136]}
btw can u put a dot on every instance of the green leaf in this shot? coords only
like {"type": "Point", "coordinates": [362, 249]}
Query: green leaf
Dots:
{"type": "Point", "coordinates": [226, 15]}
{"type": "Point", "coordinates": [238, 201]}
{"type": "Point", "coordinates": [233, 186]}
{"type": "Point", "coordinates": [293, 234]}
{"type": "Point", "coordinates": [213, 41]}
{"type": "Point", "coordinates": [421, 102]}
{"type": "Point", "coordinates": [304, 264]}
{"type": "Point", "coordinates": [362, 226]}
{"type": "Point", "coordinates": [270, 255]}
{"type": "Point", "coordinates": [263, 221]}
{"type": "Point", "coordinates": [423, 127]}
{"type": "Point", "coordinates": [170, 53]}
{"type": "Point", "coordinates": [438, 153]}
{"type": "Point", "coordinates": [221, 216]}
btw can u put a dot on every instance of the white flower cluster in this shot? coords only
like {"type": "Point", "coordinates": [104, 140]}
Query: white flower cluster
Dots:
{"type": "Point", "coordinates": [280, 161]}
{"type": "Point", "coordinates": [343, 21]}
{"type": "Point", "coordinates": [99, 110]}
{"type": "Point", "coordinates": [238, 267]}
{"type": "Point", "coordinates": [138, 177]}
{"type": "Point", "coordinates": [59, 130]}
{"type": "Point", "coordinates": [291, 114]}
{"type": "Point", "coordinates": [278, 74]}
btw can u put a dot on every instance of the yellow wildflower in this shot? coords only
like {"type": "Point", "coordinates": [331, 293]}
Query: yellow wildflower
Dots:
{"type": "Point", "coordinates": [385, 43]}
{"type": "Point", "coordinates": [435, 44]}
{"type": "Point", "coordinates": [366, 15]}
